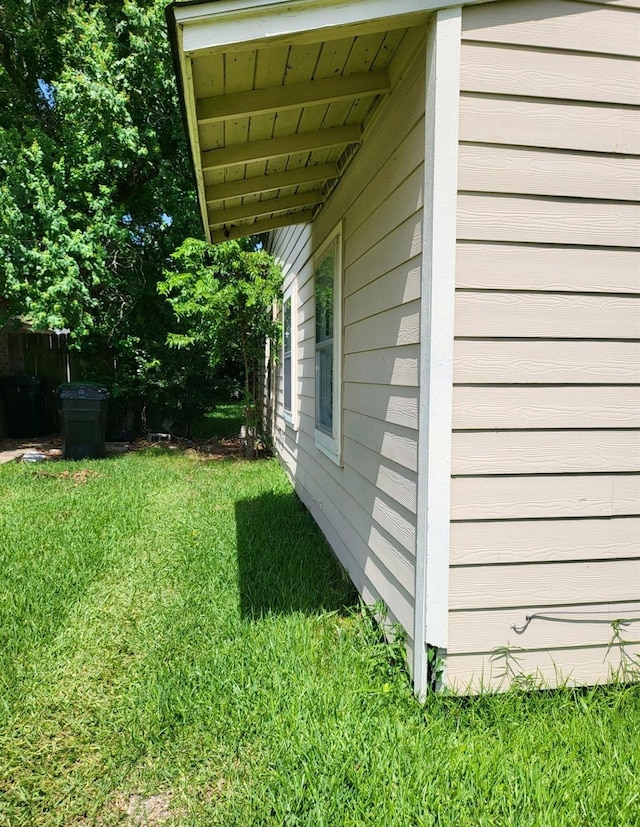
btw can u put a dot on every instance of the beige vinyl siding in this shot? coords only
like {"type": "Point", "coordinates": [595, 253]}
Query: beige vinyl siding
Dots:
{"type": "Point", "coordinates": [576, 26]}
{"type": "Point", "coordinates": [546, 667]}
{"type": "Point", "coordinates": [548, 268]}
{"type": "Point", "coordinates": [545, 172]}
{"type": "Point", "coordinates": [366, 506]}
{"type": "Point", "coordinates": [529, 361]}
{"type": "Point", "coordinates": [549, 123]}
{"type": "Point", "coordinates": [546, 442]}
{"type": "Point", "coordinates": [545, 541]}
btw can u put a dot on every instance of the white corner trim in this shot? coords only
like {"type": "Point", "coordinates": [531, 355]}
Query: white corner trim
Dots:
{"type": "Point", "coordinates": [436, 339]}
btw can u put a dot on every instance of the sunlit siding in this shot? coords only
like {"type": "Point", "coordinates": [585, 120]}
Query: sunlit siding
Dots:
{"type": "Point", "coordinates": [545, 534]}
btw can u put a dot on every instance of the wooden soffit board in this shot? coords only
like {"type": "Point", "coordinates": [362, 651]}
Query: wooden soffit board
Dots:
{"type": "Point", "coordinates": [277, 98]}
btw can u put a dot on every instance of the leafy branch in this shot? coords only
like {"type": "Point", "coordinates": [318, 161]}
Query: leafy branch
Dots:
{"type": "Point", "coordinates": [222, 296]}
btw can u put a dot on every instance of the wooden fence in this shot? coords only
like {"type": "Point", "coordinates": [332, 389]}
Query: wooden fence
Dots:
{"type": "Point", "coordinates": [40, 354]}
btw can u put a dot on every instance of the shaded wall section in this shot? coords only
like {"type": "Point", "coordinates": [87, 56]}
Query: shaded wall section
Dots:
{"type": "Point", "coordinates": [366, 505]}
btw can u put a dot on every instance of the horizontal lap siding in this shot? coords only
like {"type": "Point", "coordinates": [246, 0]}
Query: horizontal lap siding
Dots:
{"type": "Point", "coordinates": [546, 442]}
{"type": "Point", "coordinates": [367, 506]}
{"type": "Point", "coordinates": [578, 666]}
{"type": "Point", "coordinates": [545, 452]}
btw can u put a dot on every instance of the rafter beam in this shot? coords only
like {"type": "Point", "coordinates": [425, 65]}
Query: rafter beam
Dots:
{"type": "Point", "coordinates": [277, 147]}
{"type": "Point", "coordinates": [282, 98]}
{"type": "Point", "coordinates": [243, 230]}
{"type": "Point", "coordinates": [271, 205]}
{"type": "Point", "coordinates": [268, 183]}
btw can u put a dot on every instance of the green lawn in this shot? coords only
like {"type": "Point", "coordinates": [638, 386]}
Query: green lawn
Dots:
{"type": "Point", "coordinates": [224, 420]}
{"type": "Point", "coordinates": [179, 648]}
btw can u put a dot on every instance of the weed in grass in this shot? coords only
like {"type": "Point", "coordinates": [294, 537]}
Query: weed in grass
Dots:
{"type": "Point", "coordinates": [629, 667]}
{"type": "Point", "coordinates": [178, 644]}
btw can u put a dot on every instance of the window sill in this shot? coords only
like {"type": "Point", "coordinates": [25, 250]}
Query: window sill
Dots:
{"type": "Point", "coordinates": [328, 445]}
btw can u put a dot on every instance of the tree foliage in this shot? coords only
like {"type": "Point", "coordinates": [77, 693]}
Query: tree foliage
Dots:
{"type": "Point", "coordinates": [223, 296]}
{"type": "Point", "coordinates": [96, 191]}
{"type": "Point", "coordinates": [92, 160]}
{"type": "Point", "coordinates": [96, 188]}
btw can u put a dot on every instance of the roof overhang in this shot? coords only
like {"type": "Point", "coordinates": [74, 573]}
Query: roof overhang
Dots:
{"type": "Point", "coordinates": [278, 95]}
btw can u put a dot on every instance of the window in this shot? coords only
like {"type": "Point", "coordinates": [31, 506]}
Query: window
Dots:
{"type": "Point", "coordinates": [328, 295]}
{"type": "Point", "coordinates": [287, 358]}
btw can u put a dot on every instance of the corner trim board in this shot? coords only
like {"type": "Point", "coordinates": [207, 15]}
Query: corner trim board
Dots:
{"type": "Point", "coordinates": [436, 337]}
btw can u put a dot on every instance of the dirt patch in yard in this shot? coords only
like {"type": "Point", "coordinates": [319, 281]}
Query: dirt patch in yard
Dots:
{"type": "Point", "coordinates": [149, 811]}
{"type": "Point", "coordinates": [228, 447]}
{"type": "Point", "coordinates": [204, 449]}
{"type": "Point", "coordinates": [51, 448]}
{"type": "Point", "coordinates": [15, 449]}
{"type": "Point", "coordinates": [136, 810]}
{"type": "Point", "coordinates": [80, 477]}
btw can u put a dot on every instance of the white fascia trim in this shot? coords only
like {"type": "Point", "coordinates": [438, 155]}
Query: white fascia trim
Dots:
{"type": "Point", "coordinates": [436, 340]}
{"type": "Point", "coordinates": [229, 23]}
{"type": "Point", "coordinates": [192, 127]}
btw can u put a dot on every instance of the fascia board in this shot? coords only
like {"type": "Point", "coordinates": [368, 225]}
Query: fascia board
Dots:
{"type": "Point", "coordinates": [226, 24]}
{"type": "Point", "coordinates": [184, 85]}
{"type": "Point", "coordinates": [194, 141]}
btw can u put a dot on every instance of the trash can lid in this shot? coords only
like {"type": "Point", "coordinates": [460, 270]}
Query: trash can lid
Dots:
{"type": "Point", "coordinates": [83, 390]}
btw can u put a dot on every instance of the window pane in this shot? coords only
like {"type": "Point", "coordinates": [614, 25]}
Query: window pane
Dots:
{"type": "Point", "coordinates": [327, 287]}
{"type": "Point", "coordinates": [286, 353]}
{"type": "Point", "coordinates": [324, 298]}
{"type": "Point", "coordinates": [324, 388]}
{"type": "Point", "coordinates": [286, 326]}
{"type": "Point", "coordinates": [287, 381]}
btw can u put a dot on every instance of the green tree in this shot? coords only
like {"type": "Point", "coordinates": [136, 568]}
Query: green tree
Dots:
{"type": "Point", "coordinates": [96, 188]}
{"type": "Point", "coordinates": [223, 296]}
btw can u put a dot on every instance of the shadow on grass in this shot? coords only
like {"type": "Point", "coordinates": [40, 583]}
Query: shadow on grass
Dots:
{"type": "Point", "coordinates": [284, 563]}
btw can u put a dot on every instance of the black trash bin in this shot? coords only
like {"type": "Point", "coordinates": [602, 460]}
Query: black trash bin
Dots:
{"type": "Point", "coordinates": [83, 417]}
{"type": "Point", "coordinates": [25, 411]}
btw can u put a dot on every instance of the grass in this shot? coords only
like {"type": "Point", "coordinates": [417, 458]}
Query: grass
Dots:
{"type": "Point", "coordinates": [178, 647]}
{"type": "Point", "coordinates": [224, 420]}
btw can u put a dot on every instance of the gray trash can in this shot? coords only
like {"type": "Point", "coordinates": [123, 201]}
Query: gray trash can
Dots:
{"type": "Point", "coordinates": [83, 417]}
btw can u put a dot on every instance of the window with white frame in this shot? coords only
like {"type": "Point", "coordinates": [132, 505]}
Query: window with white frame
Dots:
{"type": "Point", "coordinates": [328, 349]}
{"type": "Point", "coordinates": [287, 356]}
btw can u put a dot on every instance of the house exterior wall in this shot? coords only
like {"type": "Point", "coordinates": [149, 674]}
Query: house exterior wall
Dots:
{"type": "Point", "coordinates": [545, 532]}
{"type": "Point", "coordinates": [366, 506]}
